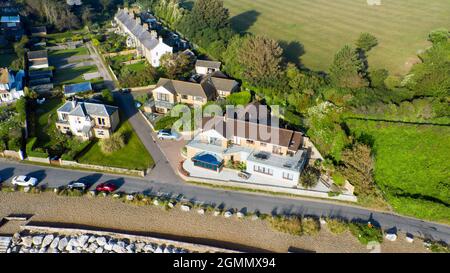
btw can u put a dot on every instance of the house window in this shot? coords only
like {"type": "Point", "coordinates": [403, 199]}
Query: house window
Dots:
{"type": "Point", "coordinates": [263, 144]}
{"type": "Point", "coordinates": [101, 133]}
{"type": "Point", "coordinates": [101, 121]}
{"type": "Point", "coordinates": [248, 141]}
{"type": "Point", "coordinates": [276, 149]}
{"type": "Point", "coordinates": [162, 97]}
{"type": "Point", "coordinates": [184, 97]}
{"type": "Point", "coordinates": [262, 170]}
{"type": "Point", "coordinates": [198, 99]}
{"type": "Point", "coordinates": [288, 176]}
{"type": "Point", "coordinates": [64, 116]}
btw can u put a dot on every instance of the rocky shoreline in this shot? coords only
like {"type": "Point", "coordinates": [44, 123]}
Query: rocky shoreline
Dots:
{"type": "Point", "coordinates": [84, 243]}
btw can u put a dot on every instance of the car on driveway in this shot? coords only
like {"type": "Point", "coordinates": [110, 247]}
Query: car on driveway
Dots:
{"type": "Point", "coordinates": [167, 135]}
{"type": "Point", "coordinates": [244, 175]}
{"type": "Point", "coordinates": [125, 91]}
{"type": "Point", "coordinates": [76, 185]}
{"type": "Point", "coordinates": [106, 187]}
{"type": "Point", "coordinates": [24, 180]}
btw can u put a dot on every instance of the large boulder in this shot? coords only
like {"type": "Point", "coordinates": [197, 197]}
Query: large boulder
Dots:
{"type": "Point", "coordinates": [201, 211]}
{"type": "Point", "coordinates": [409, 238]}
{"type": "Point", "coordinates": [99, 250]}
{"type": "Point", "coordinates": [101, 241]}
{"type": "Point", "coordinates": [27, 241]}
{"type": "Point", "coordinates": [37, 240]}
{"type": "Point", "coordinates": [92, 247]}
{"type": "Point", "coordinates": [228, 214]}
{"type": "Point", "coordinates": [54, 243]}
{"type": "Point", "coordinates": [83, 239]}
{"type": "Point", "coordinates": [185, 208]}
{"type": "Point", "coordinates": [16, 238]}
{"type": "Point", "coordinates": [240, 215]}
{"type": "Point", "coordinates": [119, 249]}
{"type": "Point", "coordinates": [391, 237]}
{"type": "Point", "coordinates": [48, 239]}
{"type": "Point", "coordinates": [62, 244]}
{"type": "Point", "coordinates": [149, 248]}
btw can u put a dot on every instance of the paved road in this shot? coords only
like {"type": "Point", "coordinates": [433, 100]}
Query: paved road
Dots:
{"type": "Point", "coordinates": [228, 199]}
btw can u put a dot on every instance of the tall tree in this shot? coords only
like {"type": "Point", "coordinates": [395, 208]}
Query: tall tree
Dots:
{"type": "Point", "coordinates": [207, 23]}
{"type": "Point", "coordinates": [347, 70]}
{"type": "Point", "coordinates": [260, 58]}
{"type": "Point", "coordinates": [366, 41]}
{"type": "Point", "coordinates": [176, 66]}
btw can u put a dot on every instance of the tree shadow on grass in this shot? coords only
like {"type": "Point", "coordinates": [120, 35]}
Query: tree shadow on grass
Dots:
{"type": "Point", "coordinates": [293, 51]}
{"type": "Point", "coordinates": [241, 23]}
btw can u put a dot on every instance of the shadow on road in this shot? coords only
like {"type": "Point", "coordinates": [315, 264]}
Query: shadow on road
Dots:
{"type": "Point", "coordinates": [90, 179]}
{"type": "Point", "coordinates": [39, 175]}
{"type": "Point", "coordinates": [6, 174]}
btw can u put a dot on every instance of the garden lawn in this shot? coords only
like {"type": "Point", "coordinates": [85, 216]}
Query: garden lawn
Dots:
{"type": "Point", "coordinates": [73, 75]}
{"type": "Point", "coordinates": [133, 156]}
{"type": "Point", "coordinates": [314, 30]}
{"type": "Point", "coordinates": [137, 67]}
{"type": "Point", "coordinates": [411, 166]}
{"type": "Point", "coordinates": [45, 120]}
{"type": "Point", "coordinates": [66, 53]}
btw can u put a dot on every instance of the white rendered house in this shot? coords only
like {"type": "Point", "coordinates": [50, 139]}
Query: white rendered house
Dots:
{"type": "Point", "coordinates": [11, 86]}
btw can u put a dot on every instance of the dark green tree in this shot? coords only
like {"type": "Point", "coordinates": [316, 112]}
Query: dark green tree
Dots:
{"type": "Point", "coordinates": [366, 41]}
{"type": "Point", "coordinates": [347, 69]}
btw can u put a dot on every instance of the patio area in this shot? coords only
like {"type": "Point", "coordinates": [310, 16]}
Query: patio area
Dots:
{"type": "Point", "coordinates": [232, 176]}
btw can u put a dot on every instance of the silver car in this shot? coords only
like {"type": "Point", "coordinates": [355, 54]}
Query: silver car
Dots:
{"type": "Point", "coordinates": [24, 180]}
{"type": "Point", "coordinates": [75, 185]}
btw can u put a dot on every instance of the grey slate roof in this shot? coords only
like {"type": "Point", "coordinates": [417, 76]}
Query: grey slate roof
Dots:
{"type": "Point", "coordinates": [204, 89]}
{"type": "Point", "coordinates": [224, 84]}
{"type": "Point", "coordinates": [38, 54]}
{"type": "Point", "coordinates": [209, 64]}
{"type": "Point", "coordinates": [83, 109]}
{"type": "Point", "coordinates": [137, 29]}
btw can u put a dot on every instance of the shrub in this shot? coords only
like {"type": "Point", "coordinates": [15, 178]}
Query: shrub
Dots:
{"type": "Point", "coordinates": [337, 226]}
{"type": "Point", "coordinates": [310, 226]}
{"type": "Point", "coordinates": [15, 144]}
{"type": "Point", "coordinates": [366, 232]}
{"type": "Point", "coordinates": [439, 247]}
{"type": "Point", "coordinates": [239, 98]}
{"type": "Point", "coordinates": [338, 179]}
{"type": "Point", "coordinates": [310, 177]}
{"type": "Point", "coordinates": [2, 145]}
{"type": "Point", "coordinates": [290, 225]}
{"type": "Point", "coordinates": [112, 144]}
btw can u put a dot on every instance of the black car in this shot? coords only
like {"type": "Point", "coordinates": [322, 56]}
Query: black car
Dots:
{"type": "Point", "coordinates": [125, 90]}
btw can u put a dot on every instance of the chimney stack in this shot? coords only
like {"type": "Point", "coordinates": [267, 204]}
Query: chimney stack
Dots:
{"type": "Point", "coordinates": [145, 25]}
{"type": "Point", "coordinates": [160, 39]}
{"type": "Point", "coordinates": [138, 20]}
{"type": "Point", "coordinates": [154, 34]}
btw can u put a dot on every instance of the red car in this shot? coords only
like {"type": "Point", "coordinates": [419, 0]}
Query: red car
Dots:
{"type": "Point", "coordinates": [106, 187]}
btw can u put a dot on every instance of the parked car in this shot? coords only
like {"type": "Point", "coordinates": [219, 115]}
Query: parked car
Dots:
{"type": "Point", "coordinates": [76, 185]}
{"type": "Point", "coordinates": [24, 180]}
{"type": "Point", "coordinates": [106, 187]}
{"type": "Point", "coordinates": [167, 135]}
{"type": "Point", "coordinates": [244, 175]}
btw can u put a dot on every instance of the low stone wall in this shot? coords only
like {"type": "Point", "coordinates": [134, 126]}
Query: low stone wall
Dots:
{"type": "Point", "coordinates": [142, 88]}
{"type": "Point", "coordinates": [292, 191]}
{"type": "Point", "coordinates": [191, 247]}
{"type": "Point", "coordinates": [133, 61]}
{"type": "Point", "coordinates": [39, 159]}
{"type": "Point", "coordinates": [12, 154]}
{"type": "Point", "coordinates": [125, 52]}
{"type": "Point", "coordinates": [101, 168]}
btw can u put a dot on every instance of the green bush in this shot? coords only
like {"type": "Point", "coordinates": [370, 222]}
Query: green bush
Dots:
{"type": "Point", "coordinates": [310, 226]}
{"type": "Point", "coordinates": [39, 152]}
{"type": "Point", "coordinates": [15, 144]}
{"type": "Point", "coordinates": [366, 232]}
{"type": "Point", "coordinates": [337, 226]}
{"type": "Point", "coordinates": [338, 179]}
{"type": "Point", "coordinates": [439, 247]}
{"type": "Point", "coordinates": [165, 122]}
{"type": "Point", "coordinates": [112, 144]}
{"type": "Point", "coordinates": [239, 98]}
{"type": "Point", "coordinates": [290, 225]}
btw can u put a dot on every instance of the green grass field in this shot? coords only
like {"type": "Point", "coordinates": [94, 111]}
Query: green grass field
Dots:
{"type": "Point", "coordinates": [133, 156]}
{"type": "Point", "coordinates": [73, 75]}
{"type": "Point", "coordinates": [60, 54]}
{"type": "Point", "coordinates": [45, 120]}
{"type": "Point", "coordinates": [323, 26]}
{"type": "Point", "coordinates": [411, 166]}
